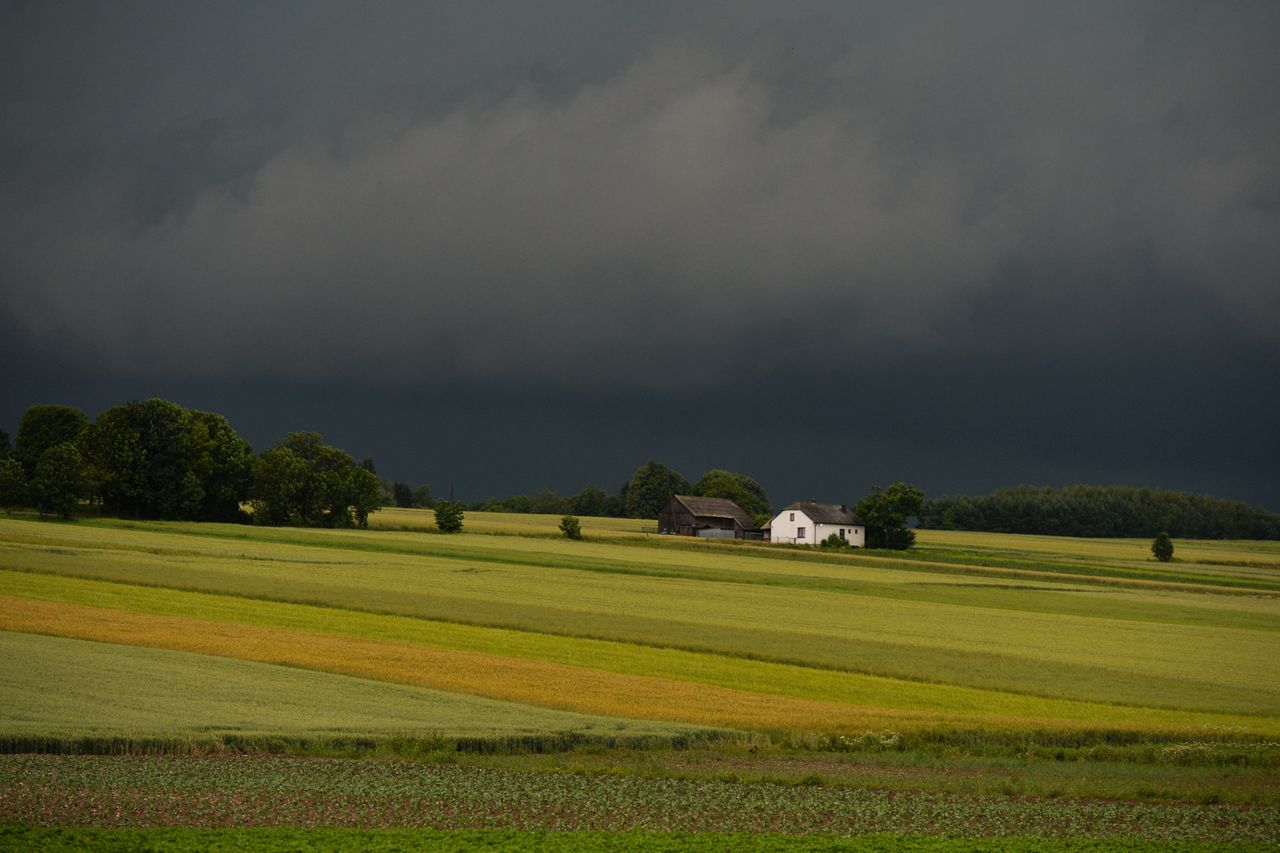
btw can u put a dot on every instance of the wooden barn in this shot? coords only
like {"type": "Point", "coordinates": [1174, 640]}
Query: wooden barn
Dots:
{"type": "Point", "coordinates": [718, 518]}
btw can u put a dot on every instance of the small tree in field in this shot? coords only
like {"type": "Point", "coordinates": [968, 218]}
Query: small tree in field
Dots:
{"type": "Point", "coordinates": [449, 516]}
{"type": "Point", "coordinates": [1162, 547]}
{"type": "Point", "coordinates": [571, 527]}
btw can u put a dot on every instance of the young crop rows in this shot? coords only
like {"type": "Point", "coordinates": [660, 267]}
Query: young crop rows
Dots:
{"type": "Point", "coordinates": [255, 791]}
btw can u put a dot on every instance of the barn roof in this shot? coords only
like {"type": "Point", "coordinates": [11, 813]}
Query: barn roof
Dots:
{"type": "Point", "coordinates": [825, 513]}
{"type": "Point", "coordinates": [716, 508]}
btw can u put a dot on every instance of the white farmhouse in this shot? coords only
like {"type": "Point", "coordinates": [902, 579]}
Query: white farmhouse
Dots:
{"type": "Point", "coordinates": [809, 522]}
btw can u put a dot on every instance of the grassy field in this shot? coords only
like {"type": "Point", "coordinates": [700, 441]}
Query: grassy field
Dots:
{"type": "Point", "coordinates": [980, 665]}
{"type": "Point", "coordinates": [59, 687]}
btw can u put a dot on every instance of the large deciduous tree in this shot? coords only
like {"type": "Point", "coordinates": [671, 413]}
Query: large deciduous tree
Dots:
{"type": "Point", "coordinates": [651, 487]}
{"type": "Point", "coordinates": [59, 483]}
{"type": "Point", "coordinates": [885, 513]}
{"type": "Point", "coordinates": [547, 502]}
{"type": "Point", "coordinates": [422, 496]}
{"type": "Point", "coordinates": [43, 427]}
{"type": "Point", "coordinates": [739, 488]}
{"type": "Point", "coordinates": [279, 479]}
{"type": "Point", "coordinates": [364, 495]}
{"type": "Point", "coordinates": [155, 459]}
{"type": "Point", "coordinates": [304, 481]}
{"type": "Point", "coordinates": [222, 462]}
{"type": "Point", "coordinates": [590, 501]}
{"type": "Point", "coordinates": [13, 485]}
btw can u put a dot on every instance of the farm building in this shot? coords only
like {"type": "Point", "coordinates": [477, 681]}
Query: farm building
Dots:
{"type": "Point", "coordinates": [718, 518]}
{"type": "Point", "coordinates": [809, 522]}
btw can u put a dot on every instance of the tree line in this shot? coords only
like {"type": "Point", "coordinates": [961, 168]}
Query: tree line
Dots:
{"type": "Point", "coordinates": [1082, 510]}
{"type": "Point", "coordinates": [642, 496]}
{"type": "Point", "coordinates": [155, 459]}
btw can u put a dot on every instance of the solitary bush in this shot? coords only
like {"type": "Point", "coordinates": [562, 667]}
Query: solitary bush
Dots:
{"type": "Point", "coordinates": [1162, 547]}
{"type": "Point", "coordinates": [571, 527]}
{"type": "Point", "coordinates": [449, 516]}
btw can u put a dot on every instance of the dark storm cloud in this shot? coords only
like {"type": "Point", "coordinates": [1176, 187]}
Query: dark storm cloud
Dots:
{"type": "Point", "coordinates": [940, 180]}
{"type": "Point", "coordinates": [971, 209]}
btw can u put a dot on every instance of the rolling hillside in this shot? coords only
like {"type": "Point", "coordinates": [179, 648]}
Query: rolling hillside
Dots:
{"type": "Point", "coordinates": [509, 630]}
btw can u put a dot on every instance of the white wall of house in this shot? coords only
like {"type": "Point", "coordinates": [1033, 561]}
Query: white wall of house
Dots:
{"type": "Point", "coordinates": [855, 536]}
{"type": "Point", "coordinates": [792, 525]}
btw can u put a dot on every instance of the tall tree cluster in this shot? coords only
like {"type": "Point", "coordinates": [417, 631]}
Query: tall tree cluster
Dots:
{"type": "Point", "coordinates": [1082, 510]}
{"type": "Point", "coordinates": [155, 459]}
{"type": "Point", "coordinates": [303, 481]}
{"type": "Point", "coordinates": [641, 496]}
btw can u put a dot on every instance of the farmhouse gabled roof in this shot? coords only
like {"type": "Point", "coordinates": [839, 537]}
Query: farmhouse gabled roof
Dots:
{"type": "Point", "coordinates": [716, 508]}
{"type": "Point", "coordinates": [825, 513]}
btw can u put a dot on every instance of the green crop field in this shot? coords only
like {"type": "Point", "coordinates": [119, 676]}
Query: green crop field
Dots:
{"type": "Point", "coordinates": [976, 665]}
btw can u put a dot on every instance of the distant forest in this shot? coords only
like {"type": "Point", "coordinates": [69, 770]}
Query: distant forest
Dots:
{"type": "Point", "coordinates": [154, 459]}
{"type": "Point", "coordinates": [1101, 511]}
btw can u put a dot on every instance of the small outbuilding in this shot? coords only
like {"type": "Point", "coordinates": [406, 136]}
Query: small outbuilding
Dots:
{"type": "Point", "coordinates": [717, 518]}
{"type": "Point", "coordinates": [809, 522]}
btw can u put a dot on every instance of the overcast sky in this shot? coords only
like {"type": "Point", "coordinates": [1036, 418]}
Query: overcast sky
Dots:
{"type": "Point", "coordinates": [523, 245]}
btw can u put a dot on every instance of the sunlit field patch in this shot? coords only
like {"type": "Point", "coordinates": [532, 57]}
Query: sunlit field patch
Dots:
{"type": "Point", "coordinates": [72, 688]}
{"type": "Point", "coordinates": [1125, 647]}
{"type": "Point", "coordinates": [877, 701]}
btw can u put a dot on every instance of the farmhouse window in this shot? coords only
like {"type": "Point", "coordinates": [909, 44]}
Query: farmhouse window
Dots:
{"type": "Point", "coordinates": [841, 532]}
{"type": "Point", "coordinates": [799, 532]}
{"type": "Point", "coordinates": [793, 516]}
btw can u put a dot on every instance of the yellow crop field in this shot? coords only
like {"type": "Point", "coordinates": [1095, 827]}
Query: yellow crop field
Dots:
{"type": "Point", "coordinates": [660, 629]}
{"type": "Point", "coordinates": [55, 686]}
{"type": "Point", "coordinates": [544, 670]}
